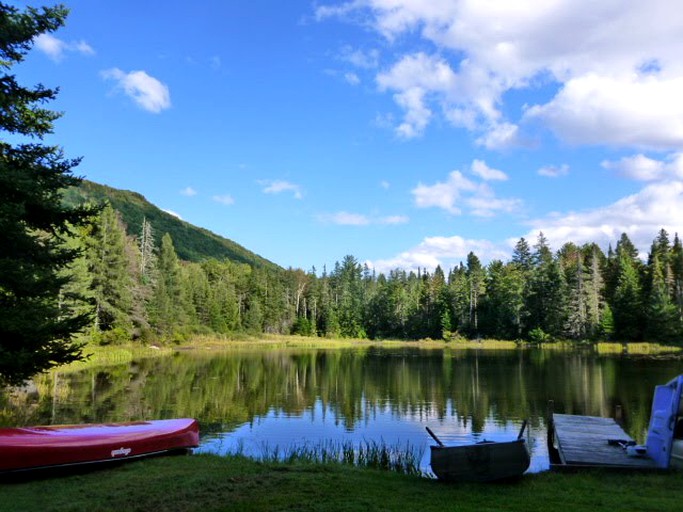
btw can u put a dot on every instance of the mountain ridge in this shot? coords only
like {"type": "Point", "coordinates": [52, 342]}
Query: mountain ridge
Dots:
{"type": "Point", "coordinates": [192, 243]}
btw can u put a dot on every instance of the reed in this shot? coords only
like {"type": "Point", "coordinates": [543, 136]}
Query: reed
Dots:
{"type": "Point", "coordinates": [366, 454]}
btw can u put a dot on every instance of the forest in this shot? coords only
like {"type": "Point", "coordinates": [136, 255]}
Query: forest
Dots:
{"type": "Point", "coordinates": [140, 289]}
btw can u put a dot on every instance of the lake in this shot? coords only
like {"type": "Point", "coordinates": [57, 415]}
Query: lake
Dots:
{"type": "Point", "coordinates": [257, 400]}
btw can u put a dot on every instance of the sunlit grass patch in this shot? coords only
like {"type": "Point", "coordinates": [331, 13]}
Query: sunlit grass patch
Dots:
{"type": "Point", "coordinates": [636, 348]}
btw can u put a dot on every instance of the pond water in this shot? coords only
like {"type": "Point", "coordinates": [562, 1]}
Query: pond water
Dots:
{"type": "Point", "coordinates": [259, 400]}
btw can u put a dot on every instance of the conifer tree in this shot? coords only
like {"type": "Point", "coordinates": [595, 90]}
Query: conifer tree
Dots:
{"type": "Point", "coordinates": [112, 282]}
{"type": "Point", "coordinates": [36, 331]}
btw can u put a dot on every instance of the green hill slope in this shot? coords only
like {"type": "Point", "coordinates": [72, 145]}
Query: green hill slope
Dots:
{"type": "Point", "coordinates": [191, 242]}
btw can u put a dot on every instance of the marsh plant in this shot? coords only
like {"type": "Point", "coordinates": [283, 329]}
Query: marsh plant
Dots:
{"type": "Point", "coordinates": [404, 459]}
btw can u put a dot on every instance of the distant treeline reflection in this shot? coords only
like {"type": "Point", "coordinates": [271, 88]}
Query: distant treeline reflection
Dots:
{"type": "Point", "coordinates": [227, 389]}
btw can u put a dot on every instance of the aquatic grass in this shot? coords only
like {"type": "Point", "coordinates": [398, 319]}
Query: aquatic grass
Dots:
{"type": "Point", "coordinates": [636, 348]}
{"type": "Point", "coordinates": [403, 459]}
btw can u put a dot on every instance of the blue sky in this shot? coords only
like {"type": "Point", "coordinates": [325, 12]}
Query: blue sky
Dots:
{"type": "Point", "coordinates": [404, 132]}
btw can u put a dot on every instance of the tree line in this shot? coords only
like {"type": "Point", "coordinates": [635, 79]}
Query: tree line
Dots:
{"type": "Point", "coordinates": [140, 289]}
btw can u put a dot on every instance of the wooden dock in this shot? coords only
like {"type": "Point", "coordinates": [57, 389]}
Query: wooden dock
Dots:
{"type": "Point", "coordinates": [583, 441]}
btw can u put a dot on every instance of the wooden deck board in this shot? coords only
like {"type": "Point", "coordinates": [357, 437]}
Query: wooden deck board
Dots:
{"type": "Point", "coordinates": [583, 441]}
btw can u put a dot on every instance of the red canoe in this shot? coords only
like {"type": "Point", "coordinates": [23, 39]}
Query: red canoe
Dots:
{"type": "Point", "coordinates": [29, 448]}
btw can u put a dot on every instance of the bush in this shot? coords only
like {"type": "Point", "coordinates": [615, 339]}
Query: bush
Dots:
{"type": "Point", "coordinates": [538, 336]}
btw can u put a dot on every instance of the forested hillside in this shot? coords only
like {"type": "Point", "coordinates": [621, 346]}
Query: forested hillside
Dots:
{"type": "Point", "coordinates": [191, 242]}
{"type": "Point", "coordinates": [142, 289]}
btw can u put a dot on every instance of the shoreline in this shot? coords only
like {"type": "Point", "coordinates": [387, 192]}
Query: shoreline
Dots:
{"type": "Point", "coordinates": [123, 353]}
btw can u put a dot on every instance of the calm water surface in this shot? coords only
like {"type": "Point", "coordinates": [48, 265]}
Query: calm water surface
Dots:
{"type": "Point", "coordinates": [259, 400]}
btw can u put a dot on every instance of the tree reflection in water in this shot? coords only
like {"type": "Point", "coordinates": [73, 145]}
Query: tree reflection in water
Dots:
{"type": "Point", "coordinates": [258, 399]}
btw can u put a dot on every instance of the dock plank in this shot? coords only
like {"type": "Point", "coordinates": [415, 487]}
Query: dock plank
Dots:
{"type": "Point", "coordinates": [583, 441]}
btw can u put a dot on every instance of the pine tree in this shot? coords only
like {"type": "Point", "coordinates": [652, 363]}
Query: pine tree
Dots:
{"type": "Point", "coordinates": [627, 299]}
{"type": "Point", "coordinates": [148, 252]}
{"type": "Point", "coordinates": [36, 331]}
{"type": "Point", "coordinates": [112, 284]}
{"type": "Point", "coordinates": [170, 304]}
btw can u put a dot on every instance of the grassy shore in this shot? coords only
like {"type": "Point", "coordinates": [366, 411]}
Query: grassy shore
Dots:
{"type": "Point", "coordinates": [120, 354]}
{"type": "Point", "coordinates": [212, 483]}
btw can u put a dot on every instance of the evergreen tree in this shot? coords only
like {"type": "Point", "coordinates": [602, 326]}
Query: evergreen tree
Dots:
{"type": "Point", "coordinates": [546, 297]}
{"type": "Point", "coordinates": [502, 316]}
{"type": "Point", "coordinates": [148, 252]}
{"type": "Point", "coordinates": [476, 288]}
{"type": "Point", "coordinates": [170, 304]}
{"type": "Point", "coordinates": [626, 303]}
{"type": "Point", "coordinates": [36, 331]}
{"type": "Point", "coordinates": [677, 273]}
{"type": "Point", "coordinates": [112, 283]}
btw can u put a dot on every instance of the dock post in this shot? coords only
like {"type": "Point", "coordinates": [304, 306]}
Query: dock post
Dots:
{"type": "Point", "coordinates": [618, 415]}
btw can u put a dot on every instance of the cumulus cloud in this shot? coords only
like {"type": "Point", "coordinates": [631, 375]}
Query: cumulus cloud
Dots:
{"type": "Point", "coordinates": [413, 78]}
{"type": "Point", "coordinates": [146, 91]}
{"type": "Point", "coordinates": [458, 193]}
{"type": "Point", "coordinates": [188, 191]}
{"type": "Point", "coordinates": [279, 186]}
{"type": "Point", "coordinates": [225, 199]}
{"type": "Point", "coordinates": [56, 48]}
{"type": "Point", "coordinates": [446, 251]}
{"type": "Point", "coordinates": [640, 215]}
{"type": "Point", "coordinates": [613, 79]}
{"type": "Point", "coordinates": [479, 168]}
{"type": "Point", "coordinates": [642, 168]}
{"type": "Point", "coordinates": [636, 111]}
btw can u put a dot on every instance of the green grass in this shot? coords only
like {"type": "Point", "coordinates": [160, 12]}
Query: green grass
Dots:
{"type": "Point", "coordinates": [212, 483]}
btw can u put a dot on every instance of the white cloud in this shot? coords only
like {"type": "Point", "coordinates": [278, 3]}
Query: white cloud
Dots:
{"type": "Point", "coordinates": [279, 186]}
{"type": "Point", "coordinates": [56, 48]}
{"type": "Point", "coordinates": [149, 93]}
{"type": "Point", "coordinates": [554, 171]}
{"type": "Point", "coordinates": [225, 199]}
{"type": "Point", "coordinates": [413, 77]}
{"type": "Point", "coordinates": [344, 218]}
{"type": "Point", "coordinates": [500, 136]}
{"type": "Point", "coordinates": [384, 184]}
{"type": "Point", "coordinates": [188, 191]}
{"type": "Point", "coordinates": [393, 219]}
{"type": "Point", "coordinates": [359, 58]}
{"type": "Point", "coordinates": [444, 195]}
{"type": "Point", "coordinates": [446, 251]}
{"type": "Point", "coordinates": [352, 78]}
{"type": "Point", "coordinates": [636, 111]}
{"type": "Point", "coordinates": [641, 216]}
{"type": "Point", "coordinates": [459, 193]}
{"type": "Point", "coordinates": [479, 168]}
{"type": "Point", "coordinates": [613, 68]}
{"type": "Point", "coordinates": [640, 167]}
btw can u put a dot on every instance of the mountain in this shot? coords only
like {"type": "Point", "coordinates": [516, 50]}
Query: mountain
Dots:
{"type": "Point", "coordinates": [191, 242]}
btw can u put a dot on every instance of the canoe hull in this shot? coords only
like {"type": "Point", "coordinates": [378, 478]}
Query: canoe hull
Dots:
{"type": "Point", "coordinates": [30, 448]}
{"type": "Point", "coordinates": [481, 462]}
